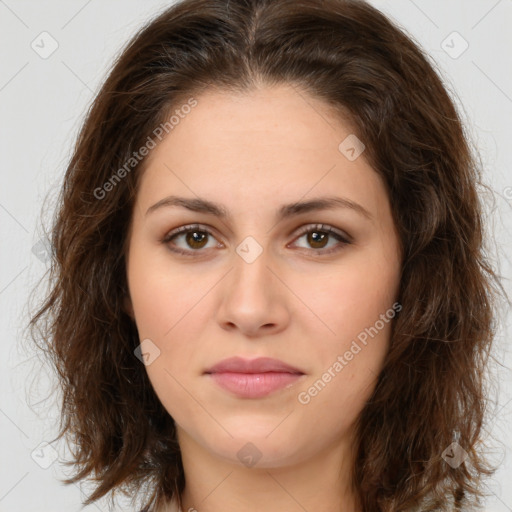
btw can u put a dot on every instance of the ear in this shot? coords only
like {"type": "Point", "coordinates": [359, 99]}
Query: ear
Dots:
{"type": "Point", "coordinates": [128, 306]}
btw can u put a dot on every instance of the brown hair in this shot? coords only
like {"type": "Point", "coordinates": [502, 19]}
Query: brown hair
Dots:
{"type": "Point", "coordinates": [430, 392]}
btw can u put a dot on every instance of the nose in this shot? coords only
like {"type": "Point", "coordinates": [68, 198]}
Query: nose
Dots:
{"type": "Point", "coordinates": [254, 299]}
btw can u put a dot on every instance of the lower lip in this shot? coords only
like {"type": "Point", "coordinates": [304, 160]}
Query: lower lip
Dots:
{"type": "Point", "coordinates": [254, 385]}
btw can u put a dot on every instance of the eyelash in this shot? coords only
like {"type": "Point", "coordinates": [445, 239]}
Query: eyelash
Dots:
{"type": "Point", "coordinates": [330, 231]}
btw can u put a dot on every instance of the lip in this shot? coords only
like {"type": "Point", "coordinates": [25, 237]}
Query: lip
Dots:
{"type": "Point", "coordinates": [258, 365]}
{"type": "Point", "coordinates": [253, 378]}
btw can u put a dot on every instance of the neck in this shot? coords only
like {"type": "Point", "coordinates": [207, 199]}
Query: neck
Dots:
{"type": "Point", "coordinates": [321, 482]}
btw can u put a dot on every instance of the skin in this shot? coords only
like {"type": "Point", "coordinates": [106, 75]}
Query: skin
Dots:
{"type": "Point", "coordinates": [253, 153]}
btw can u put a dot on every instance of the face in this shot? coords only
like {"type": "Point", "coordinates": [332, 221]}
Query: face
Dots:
{"type": "Point", "coordinates": [250, 263]}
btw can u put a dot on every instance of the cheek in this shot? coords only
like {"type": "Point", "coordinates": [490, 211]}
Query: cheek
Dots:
{"type": "Point", "coordinates": [345, 299]}
{"type": "Point", "coordinates": [350, 364]}
{"type": "Point", "coordinates": [357, 308]}
{"type": "Point", "coordinates": [164, 297]}
{"type": "Point", "coordinates": [171, 310]}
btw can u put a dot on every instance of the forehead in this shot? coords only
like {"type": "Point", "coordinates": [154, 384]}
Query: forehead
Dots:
{"type": "Point", "coordinates": [255, 144]}
{"type": "Point", "coordinates": [263, 118]}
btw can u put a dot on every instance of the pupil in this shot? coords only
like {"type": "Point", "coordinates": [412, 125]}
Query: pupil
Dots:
{"type": "Point", "coordinates": [195, 237]}
{"type": "Point", "coordinates": [317, 237]}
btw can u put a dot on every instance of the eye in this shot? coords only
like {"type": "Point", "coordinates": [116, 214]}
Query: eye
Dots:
{"type": "Point", "coordinates": [319, 236]}
{"type": "Point", "coordinates": [195, 237]}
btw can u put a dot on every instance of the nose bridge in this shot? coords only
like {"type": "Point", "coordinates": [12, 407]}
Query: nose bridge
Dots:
{"type": "Point", "coordinates": [250, 274]}
{"type": "Point", "coordinates": [250, 298]}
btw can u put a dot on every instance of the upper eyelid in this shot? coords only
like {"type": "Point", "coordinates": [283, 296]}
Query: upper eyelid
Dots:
{"type": "Point", "coordinates": [324, 227]}
{"type": "Point", "coordinates": [189, 227]}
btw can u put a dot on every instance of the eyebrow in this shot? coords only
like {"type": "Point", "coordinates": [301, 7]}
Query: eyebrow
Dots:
{"type": "Point", "coordinates": [288, 210]}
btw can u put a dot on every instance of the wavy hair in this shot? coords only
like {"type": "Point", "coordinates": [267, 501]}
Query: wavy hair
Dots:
{"type": "Point", "coordinates": [431, 390]}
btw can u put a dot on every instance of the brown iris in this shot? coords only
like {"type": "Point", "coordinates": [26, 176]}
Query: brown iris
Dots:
{"type": "Point", "coordinates": [196, 237]}
{"type": "Point", "coordinates": [317, 237]}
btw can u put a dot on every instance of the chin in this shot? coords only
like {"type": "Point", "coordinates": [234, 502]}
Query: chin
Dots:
{"type": "Point", "coordinates": [252, 448]}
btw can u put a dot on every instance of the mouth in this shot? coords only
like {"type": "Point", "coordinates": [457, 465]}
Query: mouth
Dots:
{"type": "Point", "coordinates": [254, 378]}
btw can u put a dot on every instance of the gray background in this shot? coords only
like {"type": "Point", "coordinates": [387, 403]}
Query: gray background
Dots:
{"type": "Point", "coordinates": [42, 102]}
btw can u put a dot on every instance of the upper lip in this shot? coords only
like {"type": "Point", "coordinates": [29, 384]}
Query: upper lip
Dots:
{"type": "Point", "coordinates": [259, 365]}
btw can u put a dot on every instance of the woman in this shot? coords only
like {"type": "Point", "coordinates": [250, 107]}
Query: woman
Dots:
{"type": "Point", "coordinates": [270, 290]}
